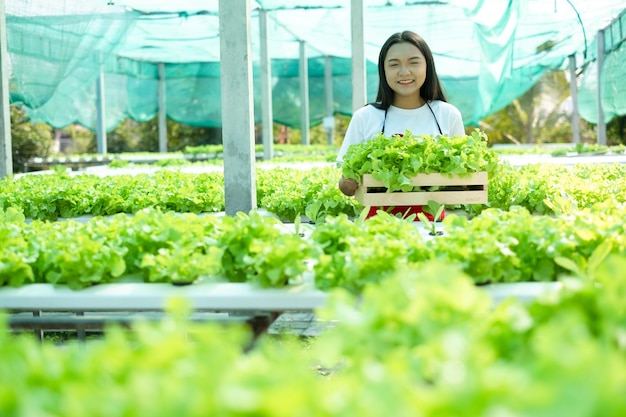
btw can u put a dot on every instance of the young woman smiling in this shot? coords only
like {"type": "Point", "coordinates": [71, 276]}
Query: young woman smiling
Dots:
{"type": "Point", "coordinates": [409, 97]}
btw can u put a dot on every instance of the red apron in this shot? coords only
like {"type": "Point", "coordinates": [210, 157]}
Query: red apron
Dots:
{"type": "Point", "coordinates": [403, 211]}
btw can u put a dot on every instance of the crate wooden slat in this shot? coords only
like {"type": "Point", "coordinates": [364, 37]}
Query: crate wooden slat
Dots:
{"type": "Point", "coordinates": [368, 197]}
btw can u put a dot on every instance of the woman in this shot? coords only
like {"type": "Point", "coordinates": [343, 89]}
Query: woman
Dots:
{"type": "Point", "coordinates": [409, 97]}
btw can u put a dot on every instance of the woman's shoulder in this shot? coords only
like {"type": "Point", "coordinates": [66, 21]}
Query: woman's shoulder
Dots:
{"type": "Point", "coordinates": [368, 118]}
{"type": "Point", "coordinates": [444, 105]}
{"type": "Point", "coordinates": [369, 109]}
{"type": "Point", "coordinates": [445, 109]}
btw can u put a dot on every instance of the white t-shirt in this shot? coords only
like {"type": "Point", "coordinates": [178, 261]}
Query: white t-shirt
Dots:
{"type": "Point", "coordinates": [368, 121]}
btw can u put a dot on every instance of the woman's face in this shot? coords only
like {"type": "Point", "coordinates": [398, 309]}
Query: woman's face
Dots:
{"type": "Point", "coordinates": [405, 72]}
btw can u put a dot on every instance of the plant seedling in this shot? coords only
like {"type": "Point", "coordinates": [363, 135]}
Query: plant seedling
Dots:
{"type": "Point", "coordinates": [435, 209]}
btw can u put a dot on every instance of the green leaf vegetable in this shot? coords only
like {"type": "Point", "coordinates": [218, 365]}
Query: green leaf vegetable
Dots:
{"type": "Point", "coordinates": [393, 160]}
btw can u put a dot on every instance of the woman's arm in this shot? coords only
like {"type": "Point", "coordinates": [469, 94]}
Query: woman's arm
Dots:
{"type": "Point", "coordinates": [363, 126]}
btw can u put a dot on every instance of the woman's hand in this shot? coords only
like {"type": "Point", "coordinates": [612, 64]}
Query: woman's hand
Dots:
{"type": "Point", "coordinates": [348, 186]}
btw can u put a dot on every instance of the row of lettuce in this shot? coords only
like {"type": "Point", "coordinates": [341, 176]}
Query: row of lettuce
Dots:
{"type": "Point", "coordinates": [425, 342]}
{"type": "Point", "coordinates": [192, 154]}
{"type": "Point", "coordinates": [415, 335]}
{"type": "Point", "coordinates": [289, 193]}
{"type": "Point", "coordinates": [494, 246]}
{"type": "Point", "coordinates": [287, 152]}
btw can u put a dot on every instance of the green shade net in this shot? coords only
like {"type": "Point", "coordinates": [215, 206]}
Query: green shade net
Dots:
{"type": "Point", "coordinates": [487, 53]}
{"type": "Point", "coordinates": [613, 79]}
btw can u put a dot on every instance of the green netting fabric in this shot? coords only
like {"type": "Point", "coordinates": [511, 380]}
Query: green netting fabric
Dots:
{"type": "Point", "coordinates": [487, 52]}
{"type": "Point", "coordinates": [54, 62]}
{"type": "Point", "coordinates": [613, 84]}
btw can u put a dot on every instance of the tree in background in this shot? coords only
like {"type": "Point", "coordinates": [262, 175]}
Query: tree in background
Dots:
{"type": "Point", "coordinates": [28, 139]}
{"type": "Point", "coordinates": [317, 134]}
{"type": "Point", "coordinates": [616, 131]}
{"type": "Point", "coordinates": [82, 140]}
{"type": "Point", "coordinates": [132, 136]}
{"type": "Point", "coordinates": [537, 116]}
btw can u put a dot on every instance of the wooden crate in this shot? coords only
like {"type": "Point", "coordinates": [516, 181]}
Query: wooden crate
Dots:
{"type": "Point", "coordinates": [369, 193]}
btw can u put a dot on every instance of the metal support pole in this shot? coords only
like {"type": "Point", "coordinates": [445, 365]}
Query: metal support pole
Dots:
{"type": "Point", "coordinates": [80, 333]}
{"type": "Point", "coordinates": [573, 87]}
{"type": "Point", "coordinates": [267, 117]}
{"type": "Point", "coordinates": [601, 127]}
{"type": "Point", "coordinates": [100, 111]}
{"type": "Point", "coordinates": [237, 106]}
{"type": "Point", "coordinates": [39, 334]}
{"type": "Point", "coordinates": [6, 153]}
{"type": "Point", "coordinates": [329, 120]}
{"type": "Point", "coordinates": [304, 94]}
{"type": "Point", "coordinates": [359, 79]}
{"type": "Point", "coordinates": [162, 110]}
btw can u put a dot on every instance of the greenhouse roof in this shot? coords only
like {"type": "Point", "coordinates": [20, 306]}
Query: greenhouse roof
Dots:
{"type": "Point", "coordinates": [538, 30]}
{"type": "Point", "coordinates": [487, 52]}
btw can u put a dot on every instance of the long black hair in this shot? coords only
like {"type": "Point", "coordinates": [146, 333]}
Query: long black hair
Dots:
{"type": "Point", "coordinates": [431, 90]}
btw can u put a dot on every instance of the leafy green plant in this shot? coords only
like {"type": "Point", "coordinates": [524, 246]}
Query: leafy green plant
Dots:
{"type": "Point", "coordinates": [314, 193]}
{"type": "Point", "coordinates": [587, 267]}
{"type": "Point", "coordinates": [287, 193]}
{"type": "Point", "coordinates": [351, 254]}
{"type": "Point", "coordinates": [435, 209]}
{"type": "Point", "coordinates": [394, 160]}
{"type": "Point", "coordinates": [15, 256]}
{"type": "Point", "coordinates": [581, 148]}
{"type": "Point", "coordinates": [118, 163]}
{"type": "Point", "coordinates": [256, 250]}
{"type": "Point", "coordinates": [561, 204]}
{"type": "Point", "coordinates": [425, 341]}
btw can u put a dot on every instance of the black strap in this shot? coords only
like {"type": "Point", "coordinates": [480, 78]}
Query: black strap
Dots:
{"type": "Point", "coordinates": [436, 121]}
{"type": "Point", "coordinates": [384, 121]}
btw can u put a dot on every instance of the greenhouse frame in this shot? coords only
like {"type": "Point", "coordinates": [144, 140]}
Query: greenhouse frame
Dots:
{"type": "Point", "coordinates": [98, 62]}
{"type": "Point", "coordinates": [472, 266]}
